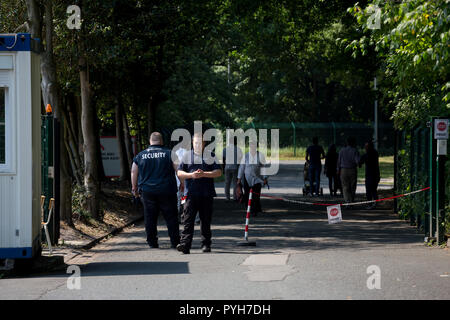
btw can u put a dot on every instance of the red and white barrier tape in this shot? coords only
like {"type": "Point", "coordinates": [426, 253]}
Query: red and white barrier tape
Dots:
{"type": "Point", "coordinates": [342, 204]}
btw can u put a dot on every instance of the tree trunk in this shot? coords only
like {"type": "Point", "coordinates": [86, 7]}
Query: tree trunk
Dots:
{"type": "Point", "coordinates": [50, 95]}
{"type": "Point", "coordinates": [35, 18]}
{"type": "Point", "coordinates": [91, 179]}
{"type": "Point", "coordinates": [128, 142]}
{"type": "Point", "coordinates": [120, 133]}
{"type": "Point", "coordinates": [49, 84]}
{"type": "Point", "coordinates": [136, 119]}
{"type": "Point", "coordinates": [76, 170]}
{"type": "Point", "coordinates": [151, 114]}
{"type": "Point", "coordinates": [155, 98]}
{"type": "Point", "coordinates": [71, 148]}
{"type": "Point", "coordinates": [65, 183]}
{"type": "Point", "coordinates": [80, 131]}
{"type": "Point", "coordinates": [72, 137]}
{"type": "Point", "coordinates": [97, 126]}
{"type": "Point", "coordinates": [315, 104]}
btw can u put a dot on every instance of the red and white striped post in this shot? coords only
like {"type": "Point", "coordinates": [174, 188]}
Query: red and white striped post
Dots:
{"type": "Point", "coordinates": [247, 220]}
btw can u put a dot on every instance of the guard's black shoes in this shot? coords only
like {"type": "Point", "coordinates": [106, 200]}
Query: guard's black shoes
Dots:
{"type": "Point", "coordinates": [183, 249]}
{"type": "Point", "coordinates": [206, 249]}
{"type": "Point", "coordinates": [154, 246]}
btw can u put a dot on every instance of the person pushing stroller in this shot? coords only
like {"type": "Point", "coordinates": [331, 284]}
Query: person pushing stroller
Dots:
{"type": "Point", "coordinates": [314, 156]}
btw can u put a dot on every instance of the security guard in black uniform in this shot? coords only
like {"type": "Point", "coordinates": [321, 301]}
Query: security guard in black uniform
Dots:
{"type": "Point", "coordinates": [153, 180]}
{"type": "Point", "coordinates": [198, 170]}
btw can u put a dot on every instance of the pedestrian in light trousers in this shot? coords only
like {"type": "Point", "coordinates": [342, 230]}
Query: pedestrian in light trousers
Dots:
{"type": "Point", "coordinates": [347, 165]}
{"type": "Point", "coordinates": [231, 156]}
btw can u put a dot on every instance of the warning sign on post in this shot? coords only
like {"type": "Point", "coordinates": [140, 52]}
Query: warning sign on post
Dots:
{"type": "Point", "coordinates": [441, 129]}
{"type": "Point", "coordinates": [334, 214]}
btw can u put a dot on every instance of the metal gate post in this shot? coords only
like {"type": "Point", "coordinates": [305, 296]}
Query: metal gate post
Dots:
{"type": "Point", "coordinates": [432, 179]}
{"type": "Point", "coordinates": [412, 150]}
{"type": "Point", "coordinates": [47, 168]}
{"type": "Point", "coordinates": [295, 145]}
{"type": "Point", "coordinates": [440, 189]}
{"type": "Point", "coordinates": [396, 145]}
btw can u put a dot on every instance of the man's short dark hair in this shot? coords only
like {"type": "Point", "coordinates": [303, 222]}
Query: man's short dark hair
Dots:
{"type": "Point", "coordinates": [156, 138]}
{"type": "Point", "coordinates": [351, 141]}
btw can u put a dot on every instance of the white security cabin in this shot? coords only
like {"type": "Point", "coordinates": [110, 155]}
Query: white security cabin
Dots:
{"type": "Point", "coordinates": [20, 147]}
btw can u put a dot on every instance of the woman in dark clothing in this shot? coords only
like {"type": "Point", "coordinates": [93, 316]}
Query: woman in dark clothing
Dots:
{"type": "Point", "coordinates": [370, 159]}
{"type": "Point", "coordinates": [331, 159]}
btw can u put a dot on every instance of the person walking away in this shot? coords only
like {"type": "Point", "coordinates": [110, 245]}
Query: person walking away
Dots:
{"type": "Point", "coordinates": [330, 169]}
{"type": "Point", "coordinates": [153, 180]}
{"type": "Point", "coordinates": [314, 155]}
{"type": "Point", "coordinates": [348, 162]}
{"type": "Point", "coordinates": [372, 167]}
{"type": "Point", "coordinates": [231, 156]}
{"type": "Point", "coordinates": [250, 173]}
{"type": "Point", "coordinates": [198, 171]}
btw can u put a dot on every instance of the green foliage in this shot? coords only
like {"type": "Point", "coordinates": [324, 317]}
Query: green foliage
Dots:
{"type": "Point", "coordinates": [288, 67]}
{"type": "Point", "coordinates": [13, 14]}
{"type": "Point", "coordinates": [284, 64]}
{"type": "Point", "coordinates": [413, 43]}
{"type": "Point", "coordinates": [406, 204]}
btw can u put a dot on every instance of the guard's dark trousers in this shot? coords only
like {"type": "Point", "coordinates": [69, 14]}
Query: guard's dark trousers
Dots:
{"type": "Point", "coordinates": [167, 204]}
{"type": "Point", "coordinates": [204, 207]}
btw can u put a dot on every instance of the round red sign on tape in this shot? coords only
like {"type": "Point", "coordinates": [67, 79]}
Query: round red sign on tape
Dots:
{"type": "Point", "coordinates": [334, 212]}
{"type": "Point", "coordinates": [442, 126]}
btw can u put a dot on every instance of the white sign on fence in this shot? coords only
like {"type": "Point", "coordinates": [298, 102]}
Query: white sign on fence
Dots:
{"type": "Point", "coordinates": [334, 214]}
{"type": "Point", "coordinates": [110, 155]}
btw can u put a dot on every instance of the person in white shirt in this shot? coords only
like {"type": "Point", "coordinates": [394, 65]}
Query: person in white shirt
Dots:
{"type": "Point", "coordinates": [180, 185]}
{"type": "Point", "coordinates": [231, 156]}
{"type": "Point", "coordinates": [250, 170]}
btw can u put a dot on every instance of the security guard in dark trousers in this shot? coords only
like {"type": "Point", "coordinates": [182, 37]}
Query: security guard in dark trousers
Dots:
{"type": "Point", "coordinates": [198, 172]}
{"type": "Point", "coordinates": [153, 180]}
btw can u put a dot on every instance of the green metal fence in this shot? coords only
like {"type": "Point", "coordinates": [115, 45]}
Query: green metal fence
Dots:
{"type": "Point", "coordinates": [416, 168]}
{"type": "Point", "coordinates": [412, 164]}
{"type": "Point", "coordinates": [300, 134]}
{"type": "Point", "coordinates": [46, 166]}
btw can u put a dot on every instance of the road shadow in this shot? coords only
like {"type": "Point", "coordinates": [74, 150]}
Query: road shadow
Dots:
{"type": "Point", "coordinates": [116, 268]}
{"type": "Point", "coordinates": [285, 225]}
{"type": "Point", "coordinates": [96, 269]}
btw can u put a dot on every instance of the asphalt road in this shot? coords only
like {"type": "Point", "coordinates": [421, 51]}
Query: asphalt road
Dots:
{"type": "Point", "coordinates": [298, 255]}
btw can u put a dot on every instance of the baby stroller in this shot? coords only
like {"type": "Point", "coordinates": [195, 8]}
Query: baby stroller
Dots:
{"type": "Point", "coordinates": [307, 183]}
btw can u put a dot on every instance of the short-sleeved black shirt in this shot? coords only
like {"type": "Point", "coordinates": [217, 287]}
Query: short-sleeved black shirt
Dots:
{"type": "Point", "coordinates": [315, 151]}
{"type": "Point", "coordinates": [371, 159]}
{"type": "Point", "coordinates": [203, 187]}
{"type": "Point", "coordinates": [156, 172]}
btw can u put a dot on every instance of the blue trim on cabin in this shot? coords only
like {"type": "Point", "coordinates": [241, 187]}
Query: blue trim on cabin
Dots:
{"type": "Point", "coordinates": [16, 253]}
{"type": "Point", "coordinates": [18, 42]}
